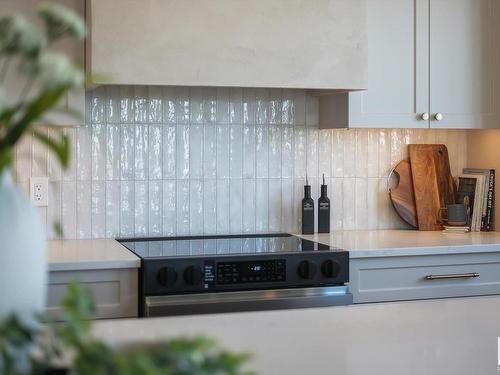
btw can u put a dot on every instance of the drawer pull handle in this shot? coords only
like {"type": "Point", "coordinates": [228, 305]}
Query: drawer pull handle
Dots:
{"type": "Point", "coordinates": [452, 276]}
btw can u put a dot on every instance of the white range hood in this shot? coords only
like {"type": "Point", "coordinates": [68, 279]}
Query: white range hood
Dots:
{"type": "Point", "coordinates": [308, 44]}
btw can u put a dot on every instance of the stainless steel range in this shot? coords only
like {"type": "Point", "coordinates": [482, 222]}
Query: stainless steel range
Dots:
{"type": "Point", "coordinates": [194, 275]}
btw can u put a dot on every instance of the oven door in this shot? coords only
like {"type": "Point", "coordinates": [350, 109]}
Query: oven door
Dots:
{"type": "Point", "coordinates": [254, 300]}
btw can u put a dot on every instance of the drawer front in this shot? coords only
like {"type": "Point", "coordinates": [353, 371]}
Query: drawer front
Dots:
{"type": "Point", "coordinates": [115, 291]}
{"type": "Point", "coordinates": [423, 277]}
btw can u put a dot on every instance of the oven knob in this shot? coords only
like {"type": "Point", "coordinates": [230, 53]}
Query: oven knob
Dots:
{"type": "Point", "coordinates": [167, 276]}
{"type": "Point", "coordinates": [193, 275]}
{"type": "Point", "coordinates": [306, 269]}
{"type": "Point", "coordinates": [330, 268]}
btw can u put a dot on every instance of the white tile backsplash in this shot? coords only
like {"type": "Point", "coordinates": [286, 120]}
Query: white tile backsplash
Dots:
{"type": "Point", "coordinates": [157, 161]}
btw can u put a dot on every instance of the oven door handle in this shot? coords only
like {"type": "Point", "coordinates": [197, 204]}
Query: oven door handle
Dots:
{"type": "Point", "coordinates": [253, 300]}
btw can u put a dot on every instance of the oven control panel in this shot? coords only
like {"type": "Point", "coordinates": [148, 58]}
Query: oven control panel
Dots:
{"type": "Point", "coordinates": [251, 271]}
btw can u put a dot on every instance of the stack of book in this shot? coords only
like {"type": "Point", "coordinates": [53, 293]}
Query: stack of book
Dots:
{"type": "Point", "coordinates": [476, 189]}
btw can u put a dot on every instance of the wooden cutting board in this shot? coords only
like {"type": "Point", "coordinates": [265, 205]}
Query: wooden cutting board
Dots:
{"type": "Point", "coordinates": [432, 183]}
{"type": "Point", "coordinates": [402, 196]}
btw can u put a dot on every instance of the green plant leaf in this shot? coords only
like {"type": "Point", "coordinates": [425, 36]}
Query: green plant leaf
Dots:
{"type": "Point", "coordinates": [60, 148]}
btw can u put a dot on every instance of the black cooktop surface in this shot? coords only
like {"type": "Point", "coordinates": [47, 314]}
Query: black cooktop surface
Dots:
{"type": "Point", "coordinates": [167, 247]}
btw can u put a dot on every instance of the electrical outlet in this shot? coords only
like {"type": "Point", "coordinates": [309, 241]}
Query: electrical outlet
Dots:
{"type": "Point", "coordinates": [39, 191]}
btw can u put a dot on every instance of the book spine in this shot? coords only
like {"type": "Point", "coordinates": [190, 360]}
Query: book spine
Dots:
{"type": "Point", "coordinates": [490, 201]}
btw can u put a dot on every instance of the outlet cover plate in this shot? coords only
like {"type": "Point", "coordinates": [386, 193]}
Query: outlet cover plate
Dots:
{"type": "Point", "coordinates": [39, 191]}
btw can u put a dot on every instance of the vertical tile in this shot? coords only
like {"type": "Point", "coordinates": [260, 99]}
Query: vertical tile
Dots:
{"type": "Point", "coordinates": [262, 106]}
{"type": "Point", "coordinates": [70, 173]}
{"type": "Point", "coordinates": [126, 104]}
{"type": "Point", "coordinates": [287, 204]}
{"type": "Point", "coordinates": [182, 151]}
{"type": "Point", "coordinates": [141, 156]}
{"type": "Point", "coordinates": [248, 206]}
{"type": "Point", "coordinates": [287, 107]}
{"type": "Point", "coordinates": [384, 207]}
{"type": "Point", "coordinates": [196, 207]}
{"type": "Point", "coordinates": [298, 194]}
{"type": "Point", "coordinates": [396, 146]}
{"type": "Point", "coordinates": [262, 205]}
{"type": "Point", "coordinates": [222, 151]}
{"type": "Point", "coordinates": [98, 160]}
{"type": "Point", "coordinates": [361, 153]}
{"type": "Point", "coordinates": [372, 165]}
{"type": "Point", "coordinates": [287, 152]}
{"type": "Point", "coordinates": [338, 153]}
{"type": "Point", "coordinates": [223, 206]}
{"type": "Point", "coordinates": [68, 209]}
{"type": "Point", "coordinates": [349, 153]}
{"type": "Point", "coordinates": [210, 152]}
{"type": "Point", "coordinates": [275, 202]}
{"type": "Point", "coordinates": [112, 209]}
{"type": "Point", "coordinates": [196, 151]}
{"type": "Point", "coordinates": [325, 153]}
{"type": "Point", "coordinates": [196, 105]}
{"type": "Point", "coordinates": [312, 152]}
{"type": "Point", "coordinates": [127, 209]}
{"type": "Point", "coordinates": [384, 153]}
{"type": "Point", "coordinates": [361, 203]}
{"type": "Point", "coordinates": [169, 153]}
{"type": "Point", "coordinates": [300, 142]}
{"type": "Point", "coordinates": [337, 207]}
{"type": "Point", "coordinates": [140, 104]}
{"type": "Point", "coordinates": [97, 105]}
{"type": "Point", "coordinates": [299, 103]}
{"type": "Point", "coordinates": [155, 105]}
{"type": "Point", "coordinates": [98, 208]}
{"type": "Point", "coordinates": [349, 203]}
{"type": "Point", "coordinates": [236, 151]}
{"type": "Point", "coordinates": [209, 206]}
{"type": "Point", "coordinates": [210, 105]}
{"type": "Point", "coordinates": [274, 115]}
{"type": "Point", "coordinates": [83, 209]}
{"type": "Point", "coordinates": [169, 212]}
{"type": "Point", "coordinates": [249, 105]}
{"type": "Point", "coordinates": [127, 152]}
{"type": "Point", "coordinates": [155, 208]}
{"type": "Point", "coordinates": [112, 152]}
{"type": "Point", "coordinates": [262, 151]}
{"type": "Point", "coordinates": [312, 110]}
{"type": "Point", "coordinates": [249, 151]}
{"type": "Point", "coordinates": [182, 105]}
{"type": "Point", "coordinates": [39, 166]}
{"type": "Point", "coordinates": [155, 152]}
{"type": "Point", "coordinates": [54, 208]}
{"type": "Point", "coordinates": [83, 149]}
{"type": "Point", "coordinates": [372, 203]}
{"type": "Point", "coordinates": [223, 100]}
{"type": "Point", "coordinates": [141, 208]}
{"type": "Point", "coordinates": [169, 105]}
{"type": "Point", "coordinates": [275, 151]}
{"type": "Point", "coordinates": [112, 104]}
{"type": "Point", "coordinates": [236, 206]}
{"type": "Point", "coordinates": [236, 106]}
{"type": "Point", "coordinates": [182, 207]}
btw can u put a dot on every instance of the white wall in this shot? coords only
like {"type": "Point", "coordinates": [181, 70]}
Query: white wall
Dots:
{"type": "Point", "coordinates": [165, 161]}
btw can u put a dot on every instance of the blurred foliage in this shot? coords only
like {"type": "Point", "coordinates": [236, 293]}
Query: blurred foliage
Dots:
{"type": "Point", "coordinates": [27, 56]}
{"type": "Point", "coordinates": [33, 349]}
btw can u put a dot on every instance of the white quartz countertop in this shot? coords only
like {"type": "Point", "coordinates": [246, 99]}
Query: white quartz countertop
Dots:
{"type": "Point", "coordinates": [373, 243]}
{"type": "Point", "coordinates": [73, 255]}
{"type": "Point", "coordinates": [450, 336]}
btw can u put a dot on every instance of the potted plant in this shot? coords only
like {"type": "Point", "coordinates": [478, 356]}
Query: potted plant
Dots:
{"type": "Point", "coordinates": [27, 55]}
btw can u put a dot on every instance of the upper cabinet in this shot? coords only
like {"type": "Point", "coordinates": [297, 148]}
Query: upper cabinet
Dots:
{"type": "Point", "coordinates": [318, 44]}
{"type": "Point", "coordinates": [432, 63]}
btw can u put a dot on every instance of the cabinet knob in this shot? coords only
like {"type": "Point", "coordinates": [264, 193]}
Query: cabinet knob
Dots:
{"type": "Point", "coordinates": [425, 116]}
{"type": "Point", "coordinates": [438, 116]}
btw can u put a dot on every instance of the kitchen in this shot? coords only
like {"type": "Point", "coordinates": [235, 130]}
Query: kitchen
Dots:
{"type": "Point", "coordinates": [203, 120]}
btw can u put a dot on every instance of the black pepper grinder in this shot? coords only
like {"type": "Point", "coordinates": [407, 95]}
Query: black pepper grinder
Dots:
{"type": "Point", "coordinates": [307, 210]}
{"type": "Point", "coordinates": [324, 209]}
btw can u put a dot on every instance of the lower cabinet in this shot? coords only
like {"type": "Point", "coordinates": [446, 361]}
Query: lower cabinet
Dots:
{"type": "Point", "coordinates": [380, 279]}
{"type": "Point", "coordinates": [115, 291]}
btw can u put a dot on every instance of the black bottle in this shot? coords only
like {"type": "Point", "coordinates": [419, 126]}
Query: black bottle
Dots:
{"type": "Point", "coordinates": [323, 210]}
{"type": "Point", "coordinates": [307, 210]}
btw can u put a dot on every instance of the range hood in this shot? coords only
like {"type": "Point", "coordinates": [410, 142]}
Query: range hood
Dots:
{"type": "Point", "coordinates": [306, 44]}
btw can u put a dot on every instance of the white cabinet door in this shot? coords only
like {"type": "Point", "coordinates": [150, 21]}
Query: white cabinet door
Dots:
{"type": "Point", "coordinates": [464, 63]}
{"type": "Point", "coordinates": [398, 75]}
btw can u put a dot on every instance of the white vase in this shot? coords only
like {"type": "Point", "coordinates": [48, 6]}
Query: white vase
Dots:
{"type": "Point", "coordinates": [23, 262]}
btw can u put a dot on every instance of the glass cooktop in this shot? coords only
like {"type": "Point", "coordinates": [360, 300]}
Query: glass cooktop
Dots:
{"type": "Point", "coordinates": [162, 247]}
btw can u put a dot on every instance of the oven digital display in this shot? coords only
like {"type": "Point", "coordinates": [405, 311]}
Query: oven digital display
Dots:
{"type": "Point", "coordinates": [251, 272]}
